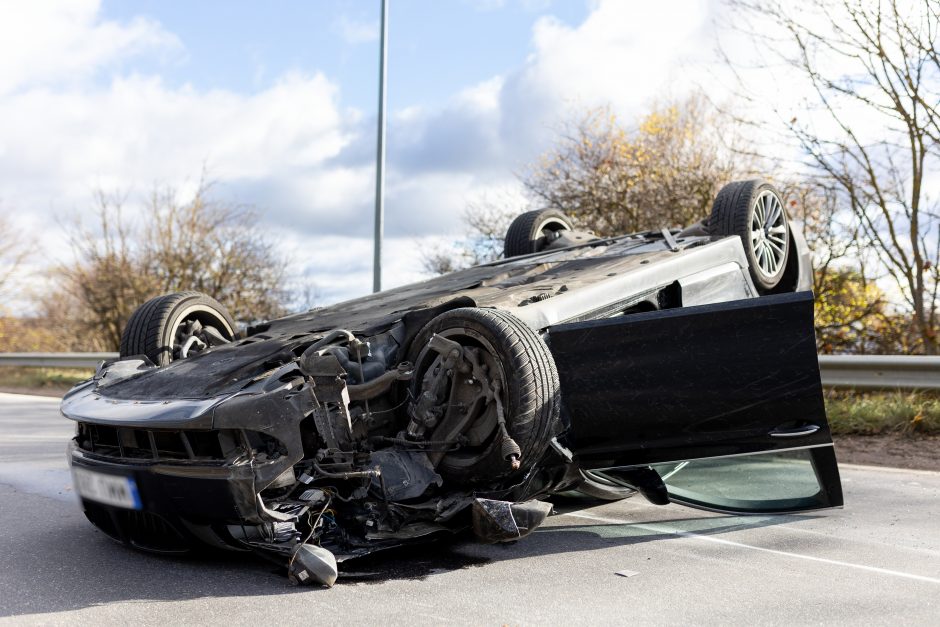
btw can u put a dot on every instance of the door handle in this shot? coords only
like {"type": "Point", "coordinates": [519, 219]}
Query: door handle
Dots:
{"type": "Point", "coordinates": [794, 432]}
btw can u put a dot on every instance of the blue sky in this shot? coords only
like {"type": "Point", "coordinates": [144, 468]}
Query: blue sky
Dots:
{"type": "Point", "coordinates": [435, 48]}
{"type": "Point", "coordinates": [277, 102]}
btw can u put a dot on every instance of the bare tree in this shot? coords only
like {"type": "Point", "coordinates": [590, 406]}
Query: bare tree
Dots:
{"type": "Point", "coordinates": [850, 307]}
{"type": "Point", "coordinates": [14, 250]}
{"type": "Point", "coordinates": [213, 247]}
{"type": "Point", "coordinates": [874, 70]}
{"type": "Point", "coordinates": [486, 222]}
{"type": "Point", "coordinates": [665, 172]}
{"type": "Point", "coordinates": [105, 283]}
{"type": "Point", "coordinates": [611, 179]}
{"type": "Point", "coordinates": [849, 302]}
{"type": "Point", "coordinates": [198, 244]}
{"type": "Point", "coordinates": [305, 294]}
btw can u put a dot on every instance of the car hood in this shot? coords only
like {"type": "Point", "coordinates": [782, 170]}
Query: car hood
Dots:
{"type": "Point", "coordinates": [223, 371]}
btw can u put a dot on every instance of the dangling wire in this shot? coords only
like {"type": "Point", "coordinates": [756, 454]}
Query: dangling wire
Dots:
{"type": "Point", "coordinates": [313, 528]}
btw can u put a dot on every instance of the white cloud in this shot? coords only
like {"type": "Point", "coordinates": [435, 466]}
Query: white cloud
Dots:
{"type": "Point", "coordinates": [46, 42]}
{"type": "Point", "coordinates": [623, 54]}
{"type": "Point", "coordinates": [619, 56]}
{"type": "Point", "coordinates": [340, 266]}
{"type": "Point", "coordinates": [444, 158]}
{"type": "Point", "coordinates": [356, 31]}
{"type": "Point", "coordinates": [138, 131]}
{"type": "Point", "coordinates": [292, 148]}
{"type": "Point", "coordinates": [65, 132]}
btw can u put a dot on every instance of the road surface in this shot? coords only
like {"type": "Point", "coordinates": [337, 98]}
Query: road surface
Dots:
{"type": "Point", "coordinates": [875, 562]}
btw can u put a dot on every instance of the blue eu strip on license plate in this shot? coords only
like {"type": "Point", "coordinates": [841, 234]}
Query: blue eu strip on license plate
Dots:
{"type": "Point", "coordinates": [114, 490]}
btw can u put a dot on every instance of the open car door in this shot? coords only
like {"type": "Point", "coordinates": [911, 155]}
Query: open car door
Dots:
{"type": "Point", "coordinates": [716, 406]}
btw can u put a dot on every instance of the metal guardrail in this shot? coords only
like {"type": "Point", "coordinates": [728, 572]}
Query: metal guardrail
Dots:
{"type": "Point", "coordinates": [861, 372]}
{"type": "Point", "coordinates": [880, 372]}
{"type": "Point", "coordinates": [55, 360]}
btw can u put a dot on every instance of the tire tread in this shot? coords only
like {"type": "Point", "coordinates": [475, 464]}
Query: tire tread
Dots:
{"type": "Point", "coordinates": [143, 333]}
{"type": "Point", "coordinates": [731, 215]}
{"type": "Point", "coordinates": [520, 238]}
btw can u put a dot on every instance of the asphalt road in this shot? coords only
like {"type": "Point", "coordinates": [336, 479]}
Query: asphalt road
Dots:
{"type": "Point", "coordinates": [875, 562]}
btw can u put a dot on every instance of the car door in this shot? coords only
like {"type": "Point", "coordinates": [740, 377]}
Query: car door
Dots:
{"type": "Point", "coordinates": [716, 406]}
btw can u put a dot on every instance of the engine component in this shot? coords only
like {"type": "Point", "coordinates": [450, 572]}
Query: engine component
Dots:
{"type": "Point", "coordinates": [405, 474]}
{"type": "Point", "coordinates": [381, 384]}
{"type": "Point", "coordinates": [510, 450]}
{"type": "Point", "coordinates": [326, 340]}
{"type": "Point", "coordinates": [427, 411]}
{"type": "Point", "coordinates": [331, 413]}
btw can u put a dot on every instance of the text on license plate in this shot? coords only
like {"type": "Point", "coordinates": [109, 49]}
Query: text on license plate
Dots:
{"type": "Point", "coordinates": [107, 489]}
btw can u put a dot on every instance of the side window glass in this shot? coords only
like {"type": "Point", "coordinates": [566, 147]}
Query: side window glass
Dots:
{"type": "Point", "coordinates": [777, 481]}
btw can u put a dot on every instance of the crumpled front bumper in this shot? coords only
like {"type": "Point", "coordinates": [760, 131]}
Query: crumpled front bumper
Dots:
{"type": "Point", "coordinates": [179, 504]}
{"type": "Point", "coordinates": [195, 497]}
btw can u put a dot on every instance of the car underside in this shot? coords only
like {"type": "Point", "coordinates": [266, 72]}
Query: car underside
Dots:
{"type": "Point", "coordinates": [663, 363]}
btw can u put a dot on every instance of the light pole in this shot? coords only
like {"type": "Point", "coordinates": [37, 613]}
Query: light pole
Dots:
{"type": "Point", "coordinates": [380, 157]}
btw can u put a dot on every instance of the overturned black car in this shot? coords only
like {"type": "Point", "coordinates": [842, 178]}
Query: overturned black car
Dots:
{"type": "Point", "coordinates": [677, 364]}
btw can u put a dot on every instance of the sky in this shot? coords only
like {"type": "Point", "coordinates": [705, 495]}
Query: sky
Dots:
{"type": "Point", "coordinates": [277, 103]}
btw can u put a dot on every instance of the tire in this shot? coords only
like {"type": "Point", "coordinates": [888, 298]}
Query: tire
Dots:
{"type": "Point", "coordinates": [151, 330]}
{"type": "Point", "coordinates": [531, 391]}
{"type": "Point", "coordinates": [527, 234]}
{"type": "Point", "coordinates": [743, 205]}
{"type": "Point", "coordinates": [599, 488]}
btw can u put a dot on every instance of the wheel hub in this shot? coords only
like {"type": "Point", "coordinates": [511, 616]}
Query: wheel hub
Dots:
{"type": "Point", "coordinates": [768, 233]}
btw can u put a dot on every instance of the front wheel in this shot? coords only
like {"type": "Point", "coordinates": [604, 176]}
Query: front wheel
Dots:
{"type": "Point", "coordinates": [754, 211]}
{"type": "Point", "coordinates": [491, 395]}
{"type": "Point", "coordinates": [175, 326]}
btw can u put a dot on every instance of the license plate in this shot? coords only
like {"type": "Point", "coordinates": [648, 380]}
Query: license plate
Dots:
{"type": "Point", "coordinates": [107, 489]}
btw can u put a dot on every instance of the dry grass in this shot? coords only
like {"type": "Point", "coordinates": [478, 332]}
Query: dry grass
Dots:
{"type": "Point", "coordinates": [875, 413]}
{"type": "Point", "coordinates": [44, 379]}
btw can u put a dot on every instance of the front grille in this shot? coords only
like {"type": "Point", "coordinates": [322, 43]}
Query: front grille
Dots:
{"type": "Point", "coordinates": [212, 445]}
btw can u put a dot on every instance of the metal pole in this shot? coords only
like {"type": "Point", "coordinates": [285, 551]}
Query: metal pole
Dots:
{"type": "Point", "coordinates": [380, 157]}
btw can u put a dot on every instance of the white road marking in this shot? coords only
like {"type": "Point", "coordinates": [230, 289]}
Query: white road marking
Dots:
{"type": "Point", "coordinates": [28, 398]}
{"type": "Point", "coordinates": [54, 438]}
{"type": "Point", "coordinates": [889, 469]}
{"type": "Point", "coordinates": [866, 541]}
{"type": "Point", "coordinates": [658, 528]}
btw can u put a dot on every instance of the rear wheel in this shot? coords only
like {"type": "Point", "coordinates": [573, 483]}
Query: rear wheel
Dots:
{"type": "Point", "coordinates": [176, 326]}
{"type": "Point", "coordinates": [532, 231]}
{"type": "Point", "coordinates": [753, 210]}
{"type": "Point", "coordinates": [511, 362]}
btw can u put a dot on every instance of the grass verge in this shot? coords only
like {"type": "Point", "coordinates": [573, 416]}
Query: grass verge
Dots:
{"type": "Point", "coordinates": [44, 379]}
{"type": "Point", "coordinates": [877, 413]}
